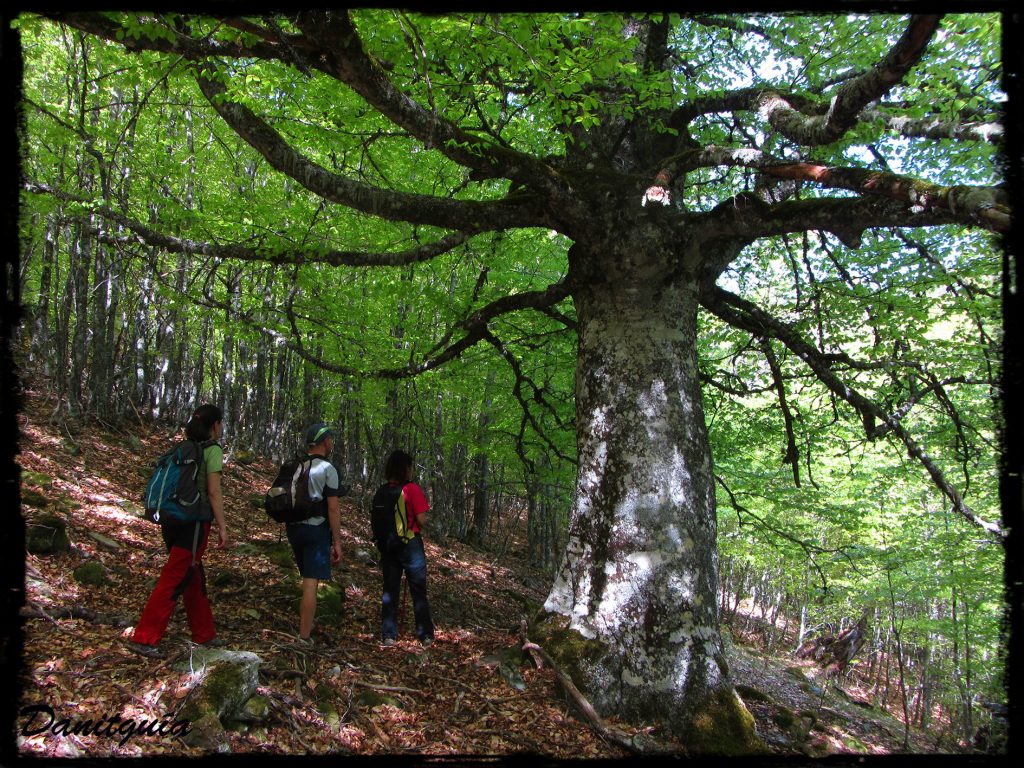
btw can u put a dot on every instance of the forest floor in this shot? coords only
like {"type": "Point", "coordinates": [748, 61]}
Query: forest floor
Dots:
{"type": "Point", "coordinates": [467, 694]}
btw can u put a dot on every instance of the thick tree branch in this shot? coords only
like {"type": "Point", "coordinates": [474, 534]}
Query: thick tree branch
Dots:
{"type": "Point", "coordinates": [397, 206]}
{"type": "Point", "coordinates": [853, 96]}
{"type": "Point", "coordinates": [743, 314]}
{"type": "Point", "coordinates": [256, 252]}
{"type": "Point", "coordinates": [344, 58]}
{"type": "Point", "coordinates": [170, 40]}
{"type": "Point", "coordinates": [972, 205]}
{"type": "Point", "coordinates": [476, 327]}
{"type": "Point", "coordinates": [318, 48]}
{"type": "Point", "coordinates": [934, 128]}
{"type": "Point", "coordinates": [987, 206]}
{"type": "Point", "coordinates": [746, 218]}
{"type": "Point", "coordinates": [740, 100]}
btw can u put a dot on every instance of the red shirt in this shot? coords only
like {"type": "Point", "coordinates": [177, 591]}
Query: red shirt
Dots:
{"type": "Point", "coordinates": [415, 504]}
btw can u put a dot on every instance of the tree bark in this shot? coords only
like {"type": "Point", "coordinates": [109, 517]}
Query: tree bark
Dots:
{"type": "Point", "coordinates": [640, 573]}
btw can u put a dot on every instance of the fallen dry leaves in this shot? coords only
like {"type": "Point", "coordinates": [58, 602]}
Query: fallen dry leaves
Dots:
{"type": "Point", "coordinates": [440, 701]}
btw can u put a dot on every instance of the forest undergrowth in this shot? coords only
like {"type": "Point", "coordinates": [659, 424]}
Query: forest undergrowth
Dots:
{"type": "Point", "coordinates": [474, 692]}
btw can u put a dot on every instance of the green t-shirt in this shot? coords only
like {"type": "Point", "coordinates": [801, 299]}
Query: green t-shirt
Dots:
{"type": "Point", "coordinates": [214, 458]}
{"type": "Point", "coordinates": [213, 461]}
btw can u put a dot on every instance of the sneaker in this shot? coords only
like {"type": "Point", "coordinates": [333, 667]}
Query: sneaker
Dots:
{"type": "Point", "coordinates": [426, 642]}
{"type": "Point", "coordinates": [305, 640]}
{"type": "Point", "coordinates": [389, 641]}
{"type": "Point", "coordinates": [149, 651]}
{"type": "Point", "coordinates": [215, 642]}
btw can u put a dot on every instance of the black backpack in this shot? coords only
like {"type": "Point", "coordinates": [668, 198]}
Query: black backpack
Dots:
{"type": "Point", "coordinates": [288, 499]}
{"type": "Point", "coordinates": [172, 493]}
{"type": "Point", "coordinates": [389, 518]}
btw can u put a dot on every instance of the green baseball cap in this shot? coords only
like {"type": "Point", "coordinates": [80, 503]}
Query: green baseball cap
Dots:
{"type": "Point", "coordinates": [317, 433]}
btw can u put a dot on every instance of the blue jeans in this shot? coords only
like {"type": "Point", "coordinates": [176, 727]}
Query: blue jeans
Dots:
{"type": "Point", "coordinates": [412, 560]}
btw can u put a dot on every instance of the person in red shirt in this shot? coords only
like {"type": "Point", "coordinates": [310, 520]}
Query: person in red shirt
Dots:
{"type": "Point", "coordinates": [397, 557]}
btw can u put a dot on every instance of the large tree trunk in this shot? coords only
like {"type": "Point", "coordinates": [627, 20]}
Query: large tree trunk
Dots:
{"type": "Point", "coordinates": [640, 575]}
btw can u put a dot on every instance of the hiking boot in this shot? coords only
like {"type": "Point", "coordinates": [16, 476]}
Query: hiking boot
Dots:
{"type": "Point", "coordinates": [426, 642]}
{"type": "Point", "coordinates": [149, 651]}
{"type": "Point", "coordinates": [389, 641]}
{"type": "Point", "coordinates": [305, 640]}
{"type": "Point", "coordinates": [215, 642]}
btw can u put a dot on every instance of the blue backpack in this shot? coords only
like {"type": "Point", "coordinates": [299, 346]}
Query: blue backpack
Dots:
{"type": "Point", "coordinates": [172, 493]}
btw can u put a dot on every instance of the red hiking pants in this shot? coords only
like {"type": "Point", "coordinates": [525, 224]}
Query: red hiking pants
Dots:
{"type": "Point", "coordinates": [179, 577]}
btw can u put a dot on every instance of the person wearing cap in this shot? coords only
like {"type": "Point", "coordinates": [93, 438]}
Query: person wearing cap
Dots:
{"type": "Point", "coordinates": [316, 541]}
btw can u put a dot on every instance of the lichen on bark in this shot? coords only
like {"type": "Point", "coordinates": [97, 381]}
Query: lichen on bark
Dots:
{"type": "Point", "coordinates": [637, 587]}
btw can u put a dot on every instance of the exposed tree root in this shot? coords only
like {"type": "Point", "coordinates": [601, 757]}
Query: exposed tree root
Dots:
{"type": "Point", "coordinates": [583, 706]}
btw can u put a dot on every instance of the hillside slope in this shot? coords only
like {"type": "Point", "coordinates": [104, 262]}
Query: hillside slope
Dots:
{"type": "Point", "coordinates": [472, 692]}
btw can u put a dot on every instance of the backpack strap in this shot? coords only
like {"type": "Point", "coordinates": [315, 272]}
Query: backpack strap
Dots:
{"type": "Point", "coordinates": [398, 502]}
{"type": "Point", "coordinates": [322, 503]}
{"type": "Point", "coordinates": [195, 541]}
{"type": "Point", "coordinates": [201, 466]}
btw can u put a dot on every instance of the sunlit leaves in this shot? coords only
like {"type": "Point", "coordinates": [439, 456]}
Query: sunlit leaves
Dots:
{"type": "Point", "coordinates": [907, 318]}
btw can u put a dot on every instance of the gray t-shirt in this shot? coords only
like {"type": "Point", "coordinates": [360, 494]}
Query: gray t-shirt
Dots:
{"type": "Point", "coordinates": [323, 482]}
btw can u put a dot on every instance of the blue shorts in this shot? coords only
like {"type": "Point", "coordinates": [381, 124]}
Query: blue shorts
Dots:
{"type": "Point", "coordinates": [311, 545]}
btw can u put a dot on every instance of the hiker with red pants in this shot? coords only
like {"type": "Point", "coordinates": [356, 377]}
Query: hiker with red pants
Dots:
{"type": "Point", "coordinates": [183, 574]}
{"type": "Point", "coordinates": [402, 550]}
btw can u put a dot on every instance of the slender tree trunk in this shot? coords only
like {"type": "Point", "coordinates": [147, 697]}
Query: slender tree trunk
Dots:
{"type": "Point", "coordinates": [480, 526]}
{"type": "Point", "coordinates": [640, 573]}
{"type": "Point", "coordinates": [802, 631]}
{"type": "Point", "coordinates": [899, 659]}
{"type": "Point", "coordinates": [101, 362]}
{"type": "Point", "coordinates": [534, 529]}
{"type": "Point", "coordinates": [968, 679]}
{"type": "Point", "coordinates": [553, 508]}
{"type": "Point", "coordinates": [42, 343]}
{"type": "Point", "coordinates": [739, 585]}
{"type": "Point", "coordinates": [481, 472]}
{"type": "Point", "coordinates": [81, 251]}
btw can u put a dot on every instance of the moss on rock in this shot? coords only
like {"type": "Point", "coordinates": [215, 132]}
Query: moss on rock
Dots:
{"type": "Point", "coordinates": [245, 456]}
{"type": "Point", "coordinates": [572, 652]}
{"type": "Point", "coordinates": [749, 693]}
{"type": "Point", "coordinates": [229, 679]}
{"type": "Point", "coordinates": [46, 535]}
{"type": "Point", "coordinates": [92, 573]}
{"type": "Point", "coordinates": [367, 700]}
{"type": "Point", "coordinates": [37, 479]}
{"type": "Point", "coordinates": [33, 498]}
{"type": "Point", "coordinates": [206, 733]}
{"type": "Point", "coordinates": [796, 672]}
{"type": "Point", "coordinates": [280, 554]}
{"type": "Point", "coordinates": [783, 717]}
{"type": "Point", "coordinates": [330, 599]}
{"type": "Point", "coordinates": [257, 707]}
{"type": "Point", "coordinates": [722, 726]}
{"type": "Point", "coordinates": [255, 710]}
